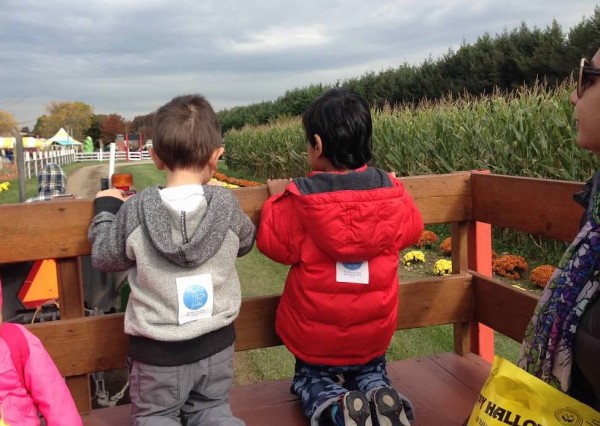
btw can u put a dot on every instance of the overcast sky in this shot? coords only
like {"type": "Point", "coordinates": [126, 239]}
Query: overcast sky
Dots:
{"type": "Point", "coordinates": [131, 56]}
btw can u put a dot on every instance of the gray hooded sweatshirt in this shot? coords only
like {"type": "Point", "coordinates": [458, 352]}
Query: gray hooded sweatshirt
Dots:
{"type": "Point", "coordinates": [158, 245]}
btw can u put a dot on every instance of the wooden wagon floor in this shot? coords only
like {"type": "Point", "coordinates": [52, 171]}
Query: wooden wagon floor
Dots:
{"type": "Point", "coordinates": [443, 389]}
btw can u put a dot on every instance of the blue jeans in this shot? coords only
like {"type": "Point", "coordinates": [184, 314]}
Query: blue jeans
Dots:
{"type": "Point", "coordinates": [319, 386]}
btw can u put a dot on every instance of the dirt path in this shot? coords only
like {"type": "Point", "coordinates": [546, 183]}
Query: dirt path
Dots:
{"type": "Point", "coordinates": [85, 182]}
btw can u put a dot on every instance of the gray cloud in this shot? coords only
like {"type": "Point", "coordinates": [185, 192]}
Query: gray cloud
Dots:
{"type": "Point", "coordinates": [129, 57]}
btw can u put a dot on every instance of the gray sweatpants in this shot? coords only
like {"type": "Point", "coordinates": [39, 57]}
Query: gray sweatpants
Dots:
{"type": "Point", "coordinates": [191, 394]}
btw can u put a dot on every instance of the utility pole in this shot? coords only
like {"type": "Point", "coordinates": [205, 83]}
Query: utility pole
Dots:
{"type": "Point", "coordinates": [20, 158]}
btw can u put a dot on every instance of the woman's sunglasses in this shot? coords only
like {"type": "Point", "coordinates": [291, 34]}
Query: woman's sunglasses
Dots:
{"type": "Point", "coordinates": [585, 71]}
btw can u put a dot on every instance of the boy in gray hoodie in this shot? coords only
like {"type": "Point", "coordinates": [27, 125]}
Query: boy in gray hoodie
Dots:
{"type": "Point", "coordinates": [180, 244]}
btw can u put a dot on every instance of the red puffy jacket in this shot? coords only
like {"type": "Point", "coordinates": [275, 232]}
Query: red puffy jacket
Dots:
{"type": "Point", "coordinates": [326, 218]}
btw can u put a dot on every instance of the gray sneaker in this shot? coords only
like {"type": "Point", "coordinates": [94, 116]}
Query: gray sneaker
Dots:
{"type": "Point", "coordinates": [388, 409]}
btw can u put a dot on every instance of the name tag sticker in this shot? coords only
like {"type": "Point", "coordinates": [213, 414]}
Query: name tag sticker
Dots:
{"type": "Point", "coordinates": [352, 272]}
{"type": "Point", "coordinates": [195, 295]}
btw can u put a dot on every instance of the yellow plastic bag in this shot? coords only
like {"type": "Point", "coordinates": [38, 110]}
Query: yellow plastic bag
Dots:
{"type": "Point", "coordinates": [511, 396]}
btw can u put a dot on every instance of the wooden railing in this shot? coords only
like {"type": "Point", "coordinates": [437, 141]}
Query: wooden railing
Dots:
{"type": "Point", "coordinates": [81, 345]}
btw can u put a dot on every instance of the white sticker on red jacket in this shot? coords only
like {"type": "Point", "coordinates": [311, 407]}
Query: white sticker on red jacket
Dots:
{"type": "Point", "coordinates": [195, 295]}
{"type": "Point", "coordinates": [352, 272]}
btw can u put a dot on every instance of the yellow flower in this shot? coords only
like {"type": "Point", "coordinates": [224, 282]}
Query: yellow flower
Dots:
{"type": "Point", "coordinates": [414, 256]}
{"type": "Point", "coordinates": [442, 267]}
{"type": "Point", "coordinates": [221, 183]}
{"type": "Point", "coordinates": [4, 186]}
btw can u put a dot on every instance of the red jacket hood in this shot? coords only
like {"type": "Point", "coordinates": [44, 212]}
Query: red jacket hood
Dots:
{"type": "Point", "coordinates": [351, 226]}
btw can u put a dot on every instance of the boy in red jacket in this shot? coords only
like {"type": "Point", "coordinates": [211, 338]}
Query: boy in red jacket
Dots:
{"type": "Point", "coordinates": [341, 229]}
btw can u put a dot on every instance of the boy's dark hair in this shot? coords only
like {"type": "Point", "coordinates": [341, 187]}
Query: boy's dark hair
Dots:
{"type": "Point", "coordinates": [186, 131]}
{"type": "Point", "coordinates": [342, 119]}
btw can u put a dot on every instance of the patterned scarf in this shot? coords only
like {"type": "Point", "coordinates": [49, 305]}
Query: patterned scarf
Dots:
{"type": "Point", "coordinates": [547, 350]}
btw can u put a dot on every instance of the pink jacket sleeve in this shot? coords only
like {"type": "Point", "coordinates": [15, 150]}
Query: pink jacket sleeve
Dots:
{"type": "Point", "coordinates": [47, 387]}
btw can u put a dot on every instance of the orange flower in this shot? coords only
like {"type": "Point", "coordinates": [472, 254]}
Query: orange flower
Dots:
{"type": "Point", "coordinates": [510, 266]}
{"type": "Point", "coordinates": [235, 181]}
{"type": "Point", "coordinates": [427, 239]}
{"type": "Point", "coordinates": [446, 246]}
{"type": "Point", "coordinates": [541, 275]}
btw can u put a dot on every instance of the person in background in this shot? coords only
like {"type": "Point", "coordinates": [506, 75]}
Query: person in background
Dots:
{"type": "Point", "coordinates": [30, 382]}
{"type": "Point", "coordinates": [180, 245]}
{"type": "Point", "coordinates": [562, 342]}
{"type": "Point", "coordinates": [52, 182]}
{"type": "Point", "coordinates": [99, 288]}
{"type": "Point", "coordinates": [341, 229]}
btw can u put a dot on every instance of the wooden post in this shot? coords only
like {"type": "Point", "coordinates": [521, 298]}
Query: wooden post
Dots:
{"type": "Point", "coordinates": [70, 291]}
{"type": "Point", "coordinates": [462, 341]}
{"type": "Point", "coordinates": [480, 260]}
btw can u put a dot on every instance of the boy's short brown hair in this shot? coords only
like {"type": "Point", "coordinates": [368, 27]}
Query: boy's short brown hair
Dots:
{"type": "Point", "coordinates": [186, 132]}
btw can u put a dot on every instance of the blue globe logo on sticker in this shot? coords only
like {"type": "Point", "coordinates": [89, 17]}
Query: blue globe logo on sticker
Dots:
{"type": "Point", "coordinates": [195, 297]}
{"type": "Point", "coordinates": [353, 266]}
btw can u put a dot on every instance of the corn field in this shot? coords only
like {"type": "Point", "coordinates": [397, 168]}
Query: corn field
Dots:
{"type": "Point", "coordinates": [529, 132]}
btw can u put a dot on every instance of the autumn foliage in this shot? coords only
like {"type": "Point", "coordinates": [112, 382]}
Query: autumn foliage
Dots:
{"type": "Point", "coordinates": [111, 126]}
{"type": "Point", "coordinates": [7, 123]}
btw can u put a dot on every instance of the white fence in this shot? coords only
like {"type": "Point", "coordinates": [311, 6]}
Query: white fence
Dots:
{"type": "Point", "coordinates": [119, 156]}
{"type": "Point", "coordinates": [35, 161]}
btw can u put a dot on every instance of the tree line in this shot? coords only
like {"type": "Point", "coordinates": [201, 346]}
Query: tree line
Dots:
{"type": "Point", "coordinates": [506, 61]}
{"type": "Point", "coordinates": [514, 58]}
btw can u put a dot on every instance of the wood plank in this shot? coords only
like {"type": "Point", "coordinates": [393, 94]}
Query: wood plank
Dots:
{"type": "Point", "coordinates": [251, 200]}
{"type": "Point", "coordinates": [441, 198]}
{"type": "Point", "coordinates": [56, 229]}
{"type": "Point", "coordinates": [435, 301]}
{"type": "Point", "coordinates": [71, 306]}
{"type": "Point", "coordinates": [438, 397]}
{"type": "Point", "coordinates": [443, 389]}
{"type": "Point", "coordinates": [113, 416]}
{"type": "Point", "coordinates": [267, 403]}
{"type": "Point", "coordinates": [460, 262]}
{"type": "Point", "coordinates": [471, 370]}
{"type": "Point", "coordinates": [63, 230]}
{"type": "Point", "coordinates": [255, 326]}
{"type": "Point", "coordinates": [86, 345]}
{"type": "Point", "coordinates": [79, 386]}
{"type": "Point", "coordinates": [537, 206]}
{"type": "Point", "coordinates": [502, 307]}
{"type": "Point", "coordinates": [423, 302]}
{"type": "Point", "coordinates": [70, 292]}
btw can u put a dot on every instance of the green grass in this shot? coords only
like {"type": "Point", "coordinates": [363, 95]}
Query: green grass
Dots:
{"type": "Point", "coordinates": [144, 175]}
{"type": "Point", "coordinates": [239, 174]}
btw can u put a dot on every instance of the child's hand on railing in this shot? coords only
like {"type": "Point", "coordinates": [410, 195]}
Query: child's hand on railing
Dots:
{"type": "Point", "coordinates": [277, 186]}
{"type": "Point", "coordinates": [114, 192]}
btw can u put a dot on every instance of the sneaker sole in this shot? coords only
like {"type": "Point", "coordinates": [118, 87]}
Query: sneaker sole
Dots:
{"type": "Point", "coordinates": [356, 409]}
{"type": "Point", "coordinates": [389, 408]}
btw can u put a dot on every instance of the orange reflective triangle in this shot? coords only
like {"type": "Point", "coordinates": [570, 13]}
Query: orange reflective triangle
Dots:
{"type": "Point", "coordinates": [41, 284]}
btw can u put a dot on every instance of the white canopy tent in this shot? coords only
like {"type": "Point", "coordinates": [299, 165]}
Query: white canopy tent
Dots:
{"type": "Point", "coordinates": [62, 138]}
